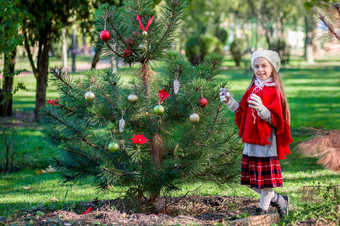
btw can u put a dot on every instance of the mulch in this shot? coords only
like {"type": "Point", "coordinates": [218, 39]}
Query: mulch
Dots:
{"type": "Point", "coordinates": [188, 210]}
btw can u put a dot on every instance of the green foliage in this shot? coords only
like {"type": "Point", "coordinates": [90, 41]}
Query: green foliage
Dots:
{"type": "Point", "coordinates": [197, 48]}
{"type": "Point", "coordinates": [122, 24]}
{"type": "Point", "coordinates": [10, 21]}
{"type": "Point", "coordinates": [205, 151]}
{"type": "Point", "coordinates": [177, 150]}
{"type": "Point", "coordinates": [236, 49]}
{"type": "Point", "coordinates": [222, 35]}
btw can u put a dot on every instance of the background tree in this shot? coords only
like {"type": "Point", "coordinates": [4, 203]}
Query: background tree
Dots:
{"type": "Point", "coordinates": [203, 33]}
{"type": "Point", "coordinates": [10, 21]}
{"type": "Point", "coordinates": [42, 23]}
{"type": "Point", "coordinates": [274, 20]}
{"type": "Point", "coordinates": [177, 125]}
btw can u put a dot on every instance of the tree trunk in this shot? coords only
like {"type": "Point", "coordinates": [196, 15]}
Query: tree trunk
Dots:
{"type": "Point", "coordinates": [74, 48]}
{"type": "Point", "coordinates": [309, 24]}
{"type": "Point", "coordinates": [42, 77]}
{"type": "Point", "coordinates": [95, 60]}
{"type": "Point", "coordinates": [8, 77]}
{"type": "Point", "coordinates": [64, 48]}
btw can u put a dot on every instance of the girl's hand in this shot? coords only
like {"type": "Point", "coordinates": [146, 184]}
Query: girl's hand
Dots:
{"type": "Point", "coordinates": [256, 103]}
{"type": "Point", "coordinates": [225, 96]}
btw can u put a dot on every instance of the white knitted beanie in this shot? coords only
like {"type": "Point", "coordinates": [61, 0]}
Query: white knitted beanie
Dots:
{"type": "Point", "coordinates": [271, 56]}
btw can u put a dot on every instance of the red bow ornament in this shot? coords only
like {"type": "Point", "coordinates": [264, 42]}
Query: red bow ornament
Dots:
{"type": "Point", "coordinates": [147, 25]}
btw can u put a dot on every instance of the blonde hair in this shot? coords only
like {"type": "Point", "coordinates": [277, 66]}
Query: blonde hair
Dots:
{"type": "Point", "coordinates": [279, 87]}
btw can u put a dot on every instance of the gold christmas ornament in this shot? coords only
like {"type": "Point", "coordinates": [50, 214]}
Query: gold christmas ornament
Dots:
{"type": "Point", "coordinates": [133, 98]}
{"type": "Point", "coordinates": [194, 118]}
{"type": "Point", "coordinates": [89, 96]}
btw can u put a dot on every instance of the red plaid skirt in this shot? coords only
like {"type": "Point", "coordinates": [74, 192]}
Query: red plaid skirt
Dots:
{"type": "Point", "coordinates": [261, 172]}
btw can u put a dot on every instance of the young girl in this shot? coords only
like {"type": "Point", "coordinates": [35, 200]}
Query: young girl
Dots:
{"type": "Point", "coordinates": [263, 117]}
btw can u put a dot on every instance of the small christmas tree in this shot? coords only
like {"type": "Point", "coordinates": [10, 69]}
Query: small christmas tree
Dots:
{"type": "Point", "coordinates": [154, 133]}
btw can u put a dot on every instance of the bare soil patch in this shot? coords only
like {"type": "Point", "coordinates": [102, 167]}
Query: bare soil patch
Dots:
{"type": "Point", "coordinates": [198, 210]}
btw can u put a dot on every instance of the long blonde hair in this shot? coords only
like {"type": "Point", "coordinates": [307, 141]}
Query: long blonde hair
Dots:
{"type": "Point", "coordinates": [279, 86]}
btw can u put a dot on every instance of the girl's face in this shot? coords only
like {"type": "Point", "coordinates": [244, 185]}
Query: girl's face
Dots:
{"type": "Point", "coordinates": [262, 68]}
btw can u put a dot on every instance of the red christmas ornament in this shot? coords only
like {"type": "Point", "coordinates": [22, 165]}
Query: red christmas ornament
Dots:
{"type": "Point", "coordinates": [105, 35]}
{"type": "Point", "coordinates": [135, 33]}
{"type": "Point", "coordinates": [127, 52]}
{"type": "Point", "coordinates": [202, 102]}
{"type": "Point", "coordinates": [129, 42]}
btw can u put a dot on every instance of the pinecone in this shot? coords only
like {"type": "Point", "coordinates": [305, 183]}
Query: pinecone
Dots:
{"type": "Point", "coordinates": [121, 125]}
{"type": "Point", "coordinates": [176, 86]}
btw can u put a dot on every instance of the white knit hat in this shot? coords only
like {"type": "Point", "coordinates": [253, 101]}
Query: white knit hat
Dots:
{"type": "Point", "coordinates": [271, 56]}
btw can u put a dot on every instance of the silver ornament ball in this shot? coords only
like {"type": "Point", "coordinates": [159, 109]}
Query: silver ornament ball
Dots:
{"type": "Point", "coordinates": [89, 96]}
{"type": "Point", "coordinates": [194, 118]}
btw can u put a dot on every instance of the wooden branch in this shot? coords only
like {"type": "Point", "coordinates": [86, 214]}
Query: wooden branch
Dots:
{"type": "Point", "coordinates": [106, 97]}
{"type": "Point", "coordinates": [78, 153]}
{"type": "Point", "coordinates": [329, 27]}
{"type": "Point", "coordinates": [29, 54]}
{"type": "Point", "coordinates": [213, 125]}
{"type": "Point", "coordinates": [108, 45]}
{"type": "Point", "coordinates": [55, 73]}
{"type": "Point", "coordinates": [6, 149]}
{"type": "Point", "coordinates": [212, 71]}
{"type": "Point", "coordinates": [116, 173]}
{"type": "Point", "coordinates": [121, 38]}
{"type": "Point", "coordinates": [11, 165]}
{"type": "Point", "coordinates": [78, 132]}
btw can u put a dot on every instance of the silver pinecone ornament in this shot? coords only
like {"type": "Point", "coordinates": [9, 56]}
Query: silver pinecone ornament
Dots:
{"type": "Point", "coordinates": [121, 125]}
{"type": "Point", "coordinates": [176, 86]}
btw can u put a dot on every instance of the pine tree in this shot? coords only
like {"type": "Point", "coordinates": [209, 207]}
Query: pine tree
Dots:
{"type": "Point", "coordinates": [151, 134]}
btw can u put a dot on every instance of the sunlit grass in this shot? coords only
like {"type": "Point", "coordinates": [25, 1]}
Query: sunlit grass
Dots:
{"type": "Point", "coordinates": [27, 190]}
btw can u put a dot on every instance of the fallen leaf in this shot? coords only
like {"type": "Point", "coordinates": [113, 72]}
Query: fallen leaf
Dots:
{"type": "Point", "coordinates": [54, 199]}
{"type": "Point", "coordinates": [39, 172]}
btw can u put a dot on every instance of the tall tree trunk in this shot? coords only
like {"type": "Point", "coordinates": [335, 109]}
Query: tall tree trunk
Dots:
{"type": "Point", "coordinates": [64, 48]}
{"type": "Point", "coordinates": [8, 77]}
{"type": "Point", "coordinates": [43, 60]}
{"type": "Point", "coordinates": [74, 48]}
{"type": "Point", "coordinates": [309, 24]}
{"type": "Point", "coordinates": [95, 60]}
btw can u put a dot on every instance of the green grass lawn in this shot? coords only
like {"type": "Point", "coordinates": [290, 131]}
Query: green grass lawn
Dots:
{"type": "Point", "coordinates": [314, 98]}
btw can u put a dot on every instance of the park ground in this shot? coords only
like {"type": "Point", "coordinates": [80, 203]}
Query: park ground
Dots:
{"type": "Point", "coordinates": [34, 190]}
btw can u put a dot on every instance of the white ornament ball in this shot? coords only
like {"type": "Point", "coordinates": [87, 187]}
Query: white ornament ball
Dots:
{"type": "Point", "coordinates": [89, 96]}
{"type": "Point", "coordinates": [132, 98]}
{"type": "Point", "coordinates": [194, 118]}
{"type": "Point", "coordinates": [145, 33]}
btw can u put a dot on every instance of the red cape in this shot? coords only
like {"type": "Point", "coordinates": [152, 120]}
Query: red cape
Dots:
{"type": "Point", "coordinates": [259, 132]}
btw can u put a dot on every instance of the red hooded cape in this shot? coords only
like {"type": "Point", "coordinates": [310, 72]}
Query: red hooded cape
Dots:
{"type": "Point", "coordinates": [259, 132]}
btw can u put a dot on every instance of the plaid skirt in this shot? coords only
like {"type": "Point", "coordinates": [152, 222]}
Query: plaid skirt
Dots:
{"type": "Point", "coordinates": [261, 172]}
